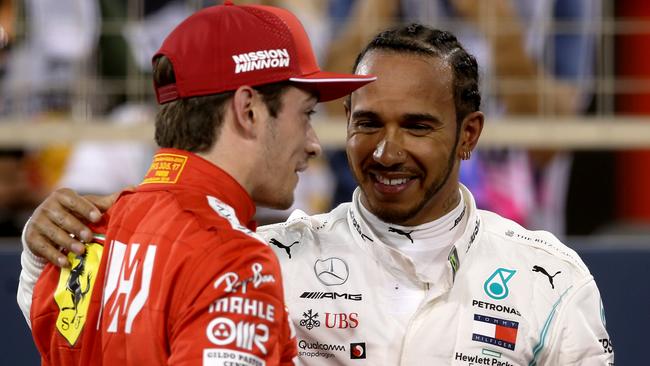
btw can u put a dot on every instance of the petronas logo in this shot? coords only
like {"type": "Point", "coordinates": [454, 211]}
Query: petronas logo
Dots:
{"type": "Point", "coordinates": [496, 286]}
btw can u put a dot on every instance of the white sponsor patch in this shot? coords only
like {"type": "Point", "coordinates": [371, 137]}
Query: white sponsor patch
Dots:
{"type": "Point", "coordinates": [262, 59]}
{"type": "Point", "coordinates": [232, 284]}
{"type": "Point", "coordinates": [227, 357]}
{"type": "Point", "coordinates": [243, 306]}
{"type": "Point", "coordinates": [130, 270]}
{"type": "Point", "coordinates": [223, 331]}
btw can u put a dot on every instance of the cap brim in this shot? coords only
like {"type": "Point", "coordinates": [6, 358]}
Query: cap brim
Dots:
{"type": "Point", "coordinates": [331, 85]}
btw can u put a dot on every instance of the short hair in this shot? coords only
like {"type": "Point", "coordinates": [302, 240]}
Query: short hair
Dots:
{"type": "Point", "coordinates": [422, 40]}
{"type": "Point", "coordinates": [193, 124]}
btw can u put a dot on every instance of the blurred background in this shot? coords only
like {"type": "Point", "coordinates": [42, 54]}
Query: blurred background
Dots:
{"type": "Point", "coordinates": [566, 147]}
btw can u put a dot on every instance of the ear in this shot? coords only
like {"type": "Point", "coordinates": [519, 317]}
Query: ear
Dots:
{"type": "Point", "coordinates": [347, 105]}
{"type": "Point", "coordinates": [246, 109]}
{"type": "Point", "coordinates": [470, 131]}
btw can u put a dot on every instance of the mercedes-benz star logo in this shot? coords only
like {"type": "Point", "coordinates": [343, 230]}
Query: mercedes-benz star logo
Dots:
{"type": "Point", "coordinates": [331, 271]}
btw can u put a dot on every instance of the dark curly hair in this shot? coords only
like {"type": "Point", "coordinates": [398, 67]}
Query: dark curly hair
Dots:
{"type": "Point", "coordinates": [422, 40]}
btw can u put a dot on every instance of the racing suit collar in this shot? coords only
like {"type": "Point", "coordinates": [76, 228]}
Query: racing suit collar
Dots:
{"type": "Point", "coordinates": [173, 169]}
{"type": "Point", "coordinates": [470, 236]}
{"type": "Point", "coordinates": [402, 265]}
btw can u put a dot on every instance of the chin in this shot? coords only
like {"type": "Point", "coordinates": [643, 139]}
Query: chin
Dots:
{"type": "Point", "coordinates": [391, 214]}
{"type": "Point", "coordinates": [278, 203]}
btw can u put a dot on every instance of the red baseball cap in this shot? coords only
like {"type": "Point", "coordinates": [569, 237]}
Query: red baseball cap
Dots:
{"type": "Point", "coordinates": [223, 47]}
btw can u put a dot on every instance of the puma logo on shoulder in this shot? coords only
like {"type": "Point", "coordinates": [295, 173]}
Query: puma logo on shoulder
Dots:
{"type": "Point", "coordinates": [543, 271]}
{"type": "Point", "coordinates": [287, 248]}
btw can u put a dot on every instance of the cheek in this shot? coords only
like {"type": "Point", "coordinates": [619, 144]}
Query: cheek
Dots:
{"type": "Point", "coordinates": [359, 147]}
{"type": "Point", "coordinates": [433, 145]}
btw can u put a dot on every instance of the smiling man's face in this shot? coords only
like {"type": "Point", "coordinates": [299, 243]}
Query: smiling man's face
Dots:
{"type": "Point", "coordinates": [402, 138]}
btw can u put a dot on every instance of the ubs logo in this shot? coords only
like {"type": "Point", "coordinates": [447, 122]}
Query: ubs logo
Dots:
{"type": "Point", "coordinates": [331, 271]}
{"type": "Point", "coordinates": [309, 320]}
{"type": "Point", "coordinates": [341, 320]}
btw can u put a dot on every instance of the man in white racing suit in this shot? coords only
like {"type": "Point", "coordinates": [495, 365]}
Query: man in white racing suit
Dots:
{"type": "Point", "coordinates": [495, 293]}
{"type": "Point", "coordinates": [411, 272]}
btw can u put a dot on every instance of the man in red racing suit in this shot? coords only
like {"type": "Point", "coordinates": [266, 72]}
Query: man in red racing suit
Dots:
{"type": "Point", "coordinates": [184, 280]}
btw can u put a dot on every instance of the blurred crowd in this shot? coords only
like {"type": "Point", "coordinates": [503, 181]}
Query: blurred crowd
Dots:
{"type": "Point", "coordinates": [83, 59]}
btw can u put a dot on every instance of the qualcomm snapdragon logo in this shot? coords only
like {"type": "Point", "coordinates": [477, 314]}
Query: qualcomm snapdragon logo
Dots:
{"type": "Point", "coordinates": [263, 59]}
{"type": "Point", "coordinates": [496, 286]}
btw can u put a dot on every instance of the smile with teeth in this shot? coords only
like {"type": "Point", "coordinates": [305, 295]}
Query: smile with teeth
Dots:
{"type": "Point", "coordinates": [391, 182]}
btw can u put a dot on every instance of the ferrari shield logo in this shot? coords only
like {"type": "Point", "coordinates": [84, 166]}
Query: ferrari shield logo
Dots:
{"type": "Point", "coordinates": [74, 291]}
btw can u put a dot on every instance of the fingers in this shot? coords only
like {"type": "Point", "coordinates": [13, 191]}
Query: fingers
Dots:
{"type": "Point", "coordinates": [48, 230]}
{"type": "Point", "coordinates": [103, 203]}
{"type": "Point", "coordinates": [57, 224]}
{"type": "Point", "coordinates": [73, 204]}
{"type": "Point", "coordinates": [61, 214]}
{"type": "Point", "coordinates": [42, 246]}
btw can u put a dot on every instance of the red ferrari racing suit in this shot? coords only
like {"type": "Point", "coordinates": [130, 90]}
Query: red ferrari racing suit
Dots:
{"type": "Point", "coordinates": [182, 280]}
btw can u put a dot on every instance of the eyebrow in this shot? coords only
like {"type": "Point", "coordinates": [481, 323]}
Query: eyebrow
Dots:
{"type": "Point", "coordinates": [307, 99]}
{"type": "Point", "coordinates": [365, 115]}
{"type": "Point", "coordinates": [420, 117]}
{"type": "Point", "coordinates": [406, 118]}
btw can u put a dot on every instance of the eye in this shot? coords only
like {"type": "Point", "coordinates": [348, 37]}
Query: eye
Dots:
{"type": "Point", "coordinates": [419, 128]}
{"type": "Point", "coordinates": [308, 113]}
{"type": "Point", "coordinates": [366, 124]}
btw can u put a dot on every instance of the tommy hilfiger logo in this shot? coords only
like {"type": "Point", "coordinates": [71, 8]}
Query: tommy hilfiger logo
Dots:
{"type": "Point", "coordinates": [495, 331]}
{"type": "Point", "coordinates": [263, 59]}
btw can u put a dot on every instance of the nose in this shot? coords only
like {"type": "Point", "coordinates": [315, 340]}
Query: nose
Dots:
{"type": "Point", "coordinates": [389, 152]}
{"type": "Point", "coordinates": [312, 146]}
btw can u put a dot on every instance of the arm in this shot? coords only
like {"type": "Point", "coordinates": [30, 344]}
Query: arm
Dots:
{"type": "Point", "coordinates": [48, 230]}
{"type": "Point", "coordinates": [580, 338]}
{"type": "Point", "coordinates": [236, 311]}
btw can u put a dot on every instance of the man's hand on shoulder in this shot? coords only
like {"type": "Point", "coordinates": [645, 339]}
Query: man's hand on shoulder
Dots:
{"type": "Point", "coordinates": [63, 213]}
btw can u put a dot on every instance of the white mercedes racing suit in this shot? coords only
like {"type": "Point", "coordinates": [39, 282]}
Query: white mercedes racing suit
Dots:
{"type": "Point", "coordinates": [509, 296]}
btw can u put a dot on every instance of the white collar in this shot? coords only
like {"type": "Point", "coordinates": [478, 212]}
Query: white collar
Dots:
{"type": "Point", "coordinates": [366, 235]}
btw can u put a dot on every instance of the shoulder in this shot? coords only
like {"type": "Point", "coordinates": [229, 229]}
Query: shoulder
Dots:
{"type": "Point", "coordinates": [299, 223]}
{"type": "Point", "coordinates": [183, 222]}
{"type": "Point", "coordinates": [530, 245]}
{"type": "Point", "coordinates": [300, 230]}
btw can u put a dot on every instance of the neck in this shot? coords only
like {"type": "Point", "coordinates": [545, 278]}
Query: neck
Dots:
{"type": "Point", "coordinates": [235, 156]}
{"type": "Point", "coordinates": [439, 205]}
{"type": "Point", "coordinates": [448, 221]}
{"type": "Point", "coordinates": [427, 244]}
